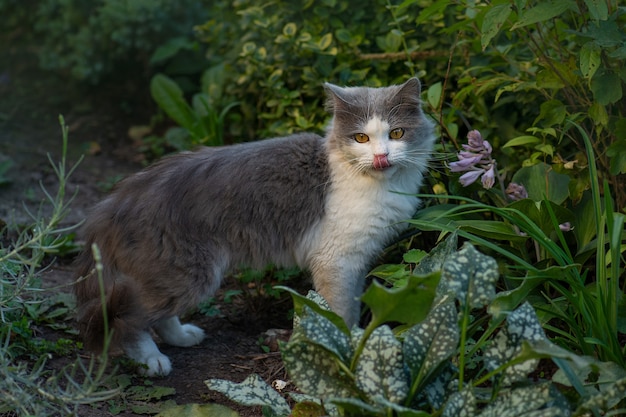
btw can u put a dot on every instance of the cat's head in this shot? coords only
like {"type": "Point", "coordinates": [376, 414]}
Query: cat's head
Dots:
{"type": "Point", "coordinates": [379, 130]}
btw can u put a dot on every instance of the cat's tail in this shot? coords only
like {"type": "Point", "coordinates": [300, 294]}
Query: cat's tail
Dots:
{"type": "Point", "coordinates": [118, 321]}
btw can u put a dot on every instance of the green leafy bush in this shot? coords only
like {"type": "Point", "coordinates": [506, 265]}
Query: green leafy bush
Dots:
{"type": "Point", "coordinates": [446, 357]}
{"type": "Point", "coordinates": [106, 38]}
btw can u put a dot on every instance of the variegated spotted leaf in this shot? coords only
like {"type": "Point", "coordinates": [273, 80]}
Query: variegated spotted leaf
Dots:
{"type": "Point", "coordinates": [537, 401]}
{"type": "Point", "coordinates": [321, 331]}
{"type": "Point", "coordinates": [438, 389]}
{"type": "Point", "coordinates": [460, 404]}
{"type": "Point", "coordinates": [315, 370]}
{"type": "Point", "coordinates": [435, 259]}
{"type": "Point", "coordinates": [380, 369]}
{"type": "Point", "coordinates": [471, 276]}
{"type": "Point", "coordinates": [317, 303]}
{"type": "Point", "coordinates": [253, 391]}
{"type": "Point", "coordinates": [521, 325]}
{"type": "Point", "coordinates": [434, 340]}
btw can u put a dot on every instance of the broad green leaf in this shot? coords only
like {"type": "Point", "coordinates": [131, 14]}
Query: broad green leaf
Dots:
{"type": "Point", "coordinates": [252, 391]}
{"type": "Point", "coordinates": [315, 370]}
{"type": "Point", "coordinates": [543, 11]}
{"type": "Point", "coordinates": [521, 140]}
{"type": "Point", "coordinates": [521, 325]}
{"type": "Point", "coordinates": [414, 256]}
{"type": "Point", "coordinates": [198, 410]}
{"type": "Point", "coordinates": [606, 88]}
{"type": "Point", "coordinates": [427, 344]}
{"type": "Point", "coordinates": [470, 277]}
{"type": "Point", "coordinates": [407, 305]}
{"type": "Point", "coordinates": [434, 94]}
{"type": "Point", "coordinates": [598, 114]}
{"type": "Point", "coordinates": [380, 371]}
{"type": "Point", "coordinates": [492, 23]}
{"type": "Point", "coordinates": [551, 113]}
{"type": "Point", "coordinates": [541, 400]}
{"type": "Point", "coordinates": [589, 59]}
{"type": "Point", "coordinates": [169, 97]}
{"type": "Point", "coordinates": [617, 153]}
{"type": "Point", "coordinates": [598, 9]}
{"type": "Point", "coordinates": [539, 215]}
{"type": "Point", "coordinates": [541, 182]}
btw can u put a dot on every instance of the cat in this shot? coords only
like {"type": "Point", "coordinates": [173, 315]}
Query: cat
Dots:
{"type": "Point", "coordinates": [168, 234]}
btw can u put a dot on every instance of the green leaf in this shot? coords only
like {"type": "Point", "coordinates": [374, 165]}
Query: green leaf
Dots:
{"type": "Point", "coordinates": [315, 370]}
{"type": "Point", "coordinates": [617, 153]}
{"type": "Point", "coordinates": [198, 410]}
{"type": "Point", "coordinates": [541, 400]}
{"type": "Point", "coordinates": [461, 404]}
{"type": "Point", "coordinates": [492, 23]}
{"type": "Point", "coordinates": [491, 229]}
{"type": "Point", "coordinates": [414, 256]}
{"type": "Point", "coordinates": [541, 182]}
{"type": "Point", "coordinates": [434, 261]}
{"type": "Point", "coordinates": [543, 11]}
{"type": "Point", "coordinates": [521, 140]}
{"type": "Point", "coordinates": [470, 276]}
{"type": "Point", "coordinates": [169, 97]}
{"type": "Point", "coordinates": [606, 88]}
{"type": "Point", "coordinates": [589, 59]}
{"type": "Point", "coordinates": [379, 371]}
{"type": "Point", "coordinates": [521, 325]}
{"type": "Point", "coordinates": [552, 113]}
{"type": "Point", "coordinates": [598, 9]}
{"type": "Point", "coordinates": [319, 330]}
{"type": "Point", "coordinates": [253, 391]}
{"type": "Point", "coordinates": [315, 302]}
{"type": "Point", "coordinates": [408, 305]}
{"type": "Point", "coordinates": [325, 41]}
{"type": "Point", "coordinates": [434, 340]}
{"type": "Point", "coordinates": [434, 94]}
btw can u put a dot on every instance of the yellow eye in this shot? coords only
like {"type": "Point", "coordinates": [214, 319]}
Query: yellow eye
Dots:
{"type": "Point", "coordinates": [396, 133]}
{"type": "Point", "coordinates": [361, 137]}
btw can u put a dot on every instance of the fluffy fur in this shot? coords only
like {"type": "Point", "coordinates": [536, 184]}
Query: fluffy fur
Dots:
{"type": "Point", "coordinates": [169, 233]}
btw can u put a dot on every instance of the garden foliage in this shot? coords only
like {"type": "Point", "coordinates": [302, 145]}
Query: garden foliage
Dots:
{"type": "Point", "coordinates": [445, 357]}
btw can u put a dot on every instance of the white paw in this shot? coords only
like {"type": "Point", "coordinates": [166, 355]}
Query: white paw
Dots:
{"type": "Point", "coordinates": [190, 335]}
{"type": "Point", "coordinates": [157, 365]}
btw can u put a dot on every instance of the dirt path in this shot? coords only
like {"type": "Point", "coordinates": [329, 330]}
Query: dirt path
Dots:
{"type": "Point", "coordinates": [30, 103]}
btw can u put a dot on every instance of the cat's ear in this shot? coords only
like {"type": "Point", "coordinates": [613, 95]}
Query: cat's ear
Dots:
{"type": "Point", "coordinates": [412, 86]}
{"type": "Point", "coordinates": [335, 95]}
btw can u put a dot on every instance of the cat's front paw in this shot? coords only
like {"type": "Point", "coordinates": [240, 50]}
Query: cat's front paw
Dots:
{"type": "Point", "coordinates": [190, 335]}
{"type": "Point", "coordinates": [156, 365]}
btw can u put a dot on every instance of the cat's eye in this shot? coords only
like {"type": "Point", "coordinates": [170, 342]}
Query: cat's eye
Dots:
{"type": "Point", "coordinates": [361, 137]}
{"type": "Point", "coordinates": [396, 133]}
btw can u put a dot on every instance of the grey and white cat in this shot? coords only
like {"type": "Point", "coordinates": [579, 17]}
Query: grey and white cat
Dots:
{"type": "Point", "coordinates": [169, 233]}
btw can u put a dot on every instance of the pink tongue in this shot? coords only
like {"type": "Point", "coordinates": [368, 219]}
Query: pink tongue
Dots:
{"type": "Point", "coordinates": [381, 161]}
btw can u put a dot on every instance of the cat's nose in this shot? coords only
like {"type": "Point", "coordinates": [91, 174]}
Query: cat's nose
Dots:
{"type": "Point", "coordinates": [381, 161]}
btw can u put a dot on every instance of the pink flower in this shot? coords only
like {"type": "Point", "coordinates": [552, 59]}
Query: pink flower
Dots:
{"type": "Point", "coordinates": [476, 161]}
{"type": "Point", "coordinates": [470, 177]}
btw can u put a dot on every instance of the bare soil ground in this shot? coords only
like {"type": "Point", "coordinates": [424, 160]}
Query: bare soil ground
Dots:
{"type": "Point", "coordinates": [30, 102]}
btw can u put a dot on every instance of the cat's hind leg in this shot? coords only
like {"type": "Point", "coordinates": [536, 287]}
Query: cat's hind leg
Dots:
{"type": "Point", "coordinates": [144, 351]}
{"type": "Point", "coordinates": [176, 334]}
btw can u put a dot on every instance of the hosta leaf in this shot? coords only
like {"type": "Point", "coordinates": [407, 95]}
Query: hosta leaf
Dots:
{"type": "Point", "coordinates": [460, 404]}
{"type": "Point", "coordinates": [470, 276]}
{"type": "Point", "coordinates": [380, 369]}
{"type": "Point", "coordinates": [522, 325]}
{"type": "Point", "coordinates": [321, 331]}
{"type": "Point", "coordinates": [314, 369]}
{"type": "Point", "coordinates": [252, 391]}
{"type": "Point", "coordinates": [432, 341]}
{"type": "Point", "coordinates": [408, 305]}
{"type": "Point", "coordinates": [536, 401]}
